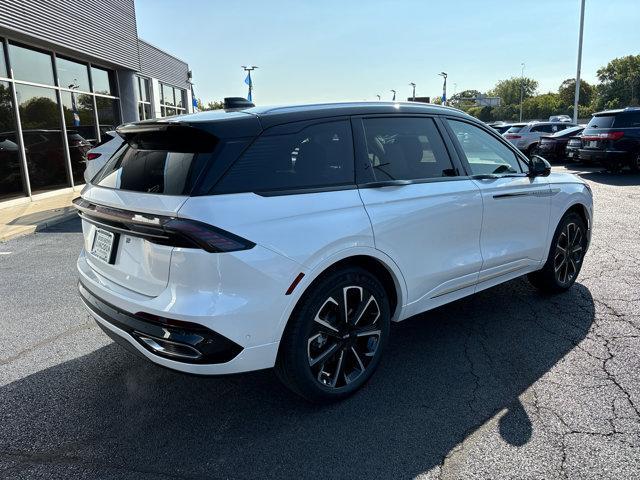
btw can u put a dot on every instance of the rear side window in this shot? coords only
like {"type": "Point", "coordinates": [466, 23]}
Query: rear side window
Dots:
{"type": "Point", "coordinates": [601, 121]}
{"type": "Point", "coordinates": [627, 120]}
{"type": "Point", "coordinates": [106, 137]}
{"type": "Point", "coordinates": [514, 129]}
{"type": "Point", "coordinates": [408, 148]}
{"type": "Point", "coordinates": [320, 155]}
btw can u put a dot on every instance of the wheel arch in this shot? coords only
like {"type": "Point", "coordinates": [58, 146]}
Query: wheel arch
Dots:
{"type": "Point", "coordinates": [368, 258]}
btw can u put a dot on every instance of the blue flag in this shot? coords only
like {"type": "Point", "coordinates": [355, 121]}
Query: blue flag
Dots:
{"type": "Point", "coordinates": [248, 79]}
{"type": "Point", "coordinates": [250, 97]}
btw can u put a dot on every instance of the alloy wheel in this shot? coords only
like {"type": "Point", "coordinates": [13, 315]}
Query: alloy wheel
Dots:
{"type": "Point", "coordinates": [568, 254]}
{"type": "Point", "coordinates": [345, 336]}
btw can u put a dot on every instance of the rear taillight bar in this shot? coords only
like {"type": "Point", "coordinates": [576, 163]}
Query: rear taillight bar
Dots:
{"type": "Point", "coordinates": [511, 136]}
{"type": "Point", "coordinates": [93, 156]}
{"type": "Point", "coordinates": [165, 230]}
{"type": "Point", "coordinates": [604, 136]}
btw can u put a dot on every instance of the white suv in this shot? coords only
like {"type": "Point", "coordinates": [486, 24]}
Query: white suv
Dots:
{"type": "Point", "coordinates": [526, 137]}
{"type": "Point", "coordinates": [229, 241]}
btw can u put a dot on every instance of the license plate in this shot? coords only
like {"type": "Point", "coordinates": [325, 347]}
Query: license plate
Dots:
{"type": "Point", "coordinates": [103, 245]}
{"type": "Point", "coordinates": [569, 154]}
{"type": "Point", "coordinates": [593, 144]}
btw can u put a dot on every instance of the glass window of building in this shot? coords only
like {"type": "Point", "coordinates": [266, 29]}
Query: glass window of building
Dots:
{"type": "Point", "coordinates": [103, 81]}
{"type": "Point", "coordinates": [42, 136]}
{"type": "Point", "coordinates": [31, 65]}
{"type": "Point", "coordinates": [3, 63]}
{"type": "Point", "coordinates": [108, 114]}
{"type": "Point", "coordinates": [80, 121]}
{"type": "Point", "coordinates": [172, 100]}
{"type": "Point", "coordinates": [144, 98]}
{"type": "Point", "coordinates": [11, 182]}
{"type": "Point", "coordinates": [72, 75]}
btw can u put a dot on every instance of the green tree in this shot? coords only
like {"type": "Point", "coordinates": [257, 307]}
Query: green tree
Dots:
{"type": "Point", "coordinates": [215, 105]}
{"type": "Point", "coordinates": [619, 83]}
{"type": "Point", "coordinates": [541, 107]}
{"type": "Point", "coordinates": [509, 90]}
{"type": "Point", "coordinates": [567, 92]}
{"type": "Point", "coordinates": [464, 100]}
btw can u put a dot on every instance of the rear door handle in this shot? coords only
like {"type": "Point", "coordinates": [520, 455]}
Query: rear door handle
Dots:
{"type": "Point", "coordinates": [385, 183]}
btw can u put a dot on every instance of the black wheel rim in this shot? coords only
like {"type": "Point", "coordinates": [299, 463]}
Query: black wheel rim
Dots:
{"type": "Point", "coordinates": [568, 254]}
{"type": "Point", "coordinates": [345, 336]}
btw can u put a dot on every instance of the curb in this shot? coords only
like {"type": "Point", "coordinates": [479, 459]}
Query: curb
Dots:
{"type": "Point", "coordinates": [49, 222]}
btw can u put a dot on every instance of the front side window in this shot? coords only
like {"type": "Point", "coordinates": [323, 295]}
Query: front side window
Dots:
{"type": "Point", "coordinates": [319, 155]}
{"type": "Point", "coordinates": [485, 153]}
{"type": "Point", "coordinates": [405, 148]}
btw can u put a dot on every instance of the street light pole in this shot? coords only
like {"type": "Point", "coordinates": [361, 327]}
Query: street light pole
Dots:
{"type": "Point", "coordinates": [577, 94]}
{"type": "Point", "coordinates": [444, 88]}
{"type": "Point", "coordinates": [394, 95]}
{"type": "Point", "coordinates": [414, 91]}
{"type": "Point", "coordinates": [521, 88]}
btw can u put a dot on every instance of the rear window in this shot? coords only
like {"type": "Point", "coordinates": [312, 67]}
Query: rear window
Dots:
{"type": "Point", "coordinates": [152, 171]}
{"type": "Point", "coordinates": [601, 121]}
{"type": "Point", "coordinates": [320, 155]}
{"type": "Point", "coordinates": [569, 132]}
{"type": "Point", "coordinates": [515, 129]}
{"type": "Point", "coordinates": [627, 120]}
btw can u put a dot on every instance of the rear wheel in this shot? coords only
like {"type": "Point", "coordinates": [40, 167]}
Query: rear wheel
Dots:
{"type": "Point", "coordinates": [335, 337]}
{"type": "Point", "coordinates": [565, 256]}
{"type": "Point", "coordinates": [634, 163]}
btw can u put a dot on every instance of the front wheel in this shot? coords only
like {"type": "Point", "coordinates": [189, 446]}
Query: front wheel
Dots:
{"type": "Point", "coordinates": [565, 256]}
{"type": "Point", "coordinates": [335, 337]}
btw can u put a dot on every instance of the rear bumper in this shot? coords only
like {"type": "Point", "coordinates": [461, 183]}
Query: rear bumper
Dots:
{"type": "Point", "coordinates": [241, 317]}
{"type": "Point", "coordinates": [602, 156]}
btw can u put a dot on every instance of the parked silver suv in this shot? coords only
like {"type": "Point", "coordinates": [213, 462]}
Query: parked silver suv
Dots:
{"type": "Point", "coordinates": [526, 137]}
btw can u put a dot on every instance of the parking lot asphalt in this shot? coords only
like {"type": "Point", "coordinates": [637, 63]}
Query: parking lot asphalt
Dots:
{"type": "Point", "coordinates": [508, 383]}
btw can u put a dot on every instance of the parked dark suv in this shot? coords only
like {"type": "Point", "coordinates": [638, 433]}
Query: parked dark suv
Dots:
{"type": "Point", "coordinates": [612, 138]}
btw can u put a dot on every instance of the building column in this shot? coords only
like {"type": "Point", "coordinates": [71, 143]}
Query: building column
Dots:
{"type": "Point", "coordinates": [128, 99]}
{"type": "Point", "coordinates": [189, 101]}
{"type": "Point", "coordinates": [155, 98]}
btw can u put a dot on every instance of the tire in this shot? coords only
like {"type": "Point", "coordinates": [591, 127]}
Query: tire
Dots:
{"type": "Point", "coordinates": [561, 269]}
{"type": "Point", "coordinates": [634, 163]}
{"type": "Point", "coordinates": [329, 360]}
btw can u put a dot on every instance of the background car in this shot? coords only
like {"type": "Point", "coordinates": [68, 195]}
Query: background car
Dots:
{"type": "Point", "coordinates": [552, 147]}
{"type": "Point", "coordinates": [501, 127]}
{"type": "Point", "coordinates": [612, 139]}
{"type": "Point", "coordinates": [98, 155]}
{"type": "Point", "coordinates": [526, 137]}
{"type": "Point", "coordinates": [572, 148]}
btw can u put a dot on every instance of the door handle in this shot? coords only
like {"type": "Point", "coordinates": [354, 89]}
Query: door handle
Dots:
{"type": "Point", "coordinates": [386, 183]}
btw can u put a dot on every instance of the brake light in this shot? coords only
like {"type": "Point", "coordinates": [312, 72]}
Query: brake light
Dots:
{"type": "Point", "coordinates": [511, 136]}
{"type": "Point", "coordinates": [604, 136]}
{"type": "Point", "coordinates": [93, 156]}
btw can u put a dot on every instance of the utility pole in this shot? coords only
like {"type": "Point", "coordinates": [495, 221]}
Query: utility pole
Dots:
{"type": "Point", "coordinates": [521, 88]}
{"type": "Point", "coordinates": [394, 95]}
{"type": "Point", "coordinates": [248, 80]}
{"type": "Point", "coordinates": [577, 94]}
{"type": "Point", "coordinates": [414, 91]}
{"type": "Point", "coordinates": [378, 97]}
{"type": "Point", "coordinates": [444, 88]}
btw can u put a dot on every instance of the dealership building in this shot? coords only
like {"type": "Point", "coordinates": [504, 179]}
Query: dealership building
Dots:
{"type": "Point", "coordinates": [69, 72]}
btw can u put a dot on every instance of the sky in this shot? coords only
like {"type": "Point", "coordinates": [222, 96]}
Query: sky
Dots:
{"type": "Point", "coordinates": [330, 50]}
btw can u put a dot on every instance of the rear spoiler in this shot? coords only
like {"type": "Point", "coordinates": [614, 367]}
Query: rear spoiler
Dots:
{"type": "Point", "coordinates": [170, 136]}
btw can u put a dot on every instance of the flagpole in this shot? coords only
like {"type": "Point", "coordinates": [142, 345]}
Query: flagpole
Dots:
{"type": "Point", "coordinates": [249, 81]}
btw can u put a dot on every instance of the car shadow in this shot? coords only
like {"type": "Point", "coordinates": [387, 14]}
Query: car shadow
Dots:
{"type": "Point", "coordinates": [621, 179]}
{"type": "Point", "coordinates": [445, 373]}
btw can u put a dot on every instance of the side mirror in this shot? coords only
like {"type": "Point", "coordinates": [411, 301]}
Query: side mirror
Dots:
{"type": "Point", "coordinates": [539, 167]}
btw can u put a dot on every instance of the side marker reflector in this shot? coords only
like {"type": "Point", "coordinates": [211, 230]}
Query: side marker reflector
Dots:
{"type": "Point", "coordinates": [294, 284]}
